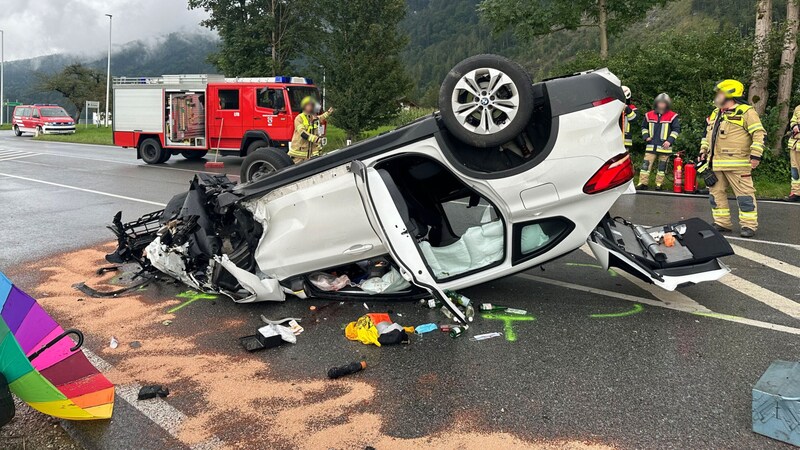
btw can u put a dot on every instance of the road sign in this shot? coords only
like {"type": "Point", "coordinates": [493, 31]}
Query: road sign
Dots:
{"type": "Point", "coordinates": [93, 105]}
{"type": "Point", "coordinates": [12, 104]}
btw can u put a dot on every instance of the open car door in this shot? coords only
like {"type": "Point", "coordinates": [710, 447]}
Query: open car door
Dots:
{"type": "Point", "coordinates": [388, 214]}
{"type": "Point", "coordinates": [689, 256]}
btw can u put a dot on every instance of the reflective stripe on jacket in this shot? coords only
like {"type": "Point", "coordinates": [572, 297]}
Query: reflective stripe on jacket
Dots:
{"type": "Point", "coordinates": [733, 138]}
{"type": "Point", "coordinates": [304, 128]}
{"type": "Point", "coordinates": [628, 117]}
{"type": "Point", "coordinates": [661, 128]}
{"type": "Point", "coordinates": [794, 121]}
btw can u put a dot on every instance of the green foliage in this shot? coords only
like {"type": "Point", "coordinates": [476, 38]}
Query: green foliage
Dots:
{"type": "Point", "coordinates": [259, 37]}
{"type": "Point", "coordinates": [530, 19]}
{"type": "Point", "coordinates": [687, 66]}
{"type": "Point", "coordinates": [359, 47]}
{"type": "Point", "coordinates": [83, 135]}
{"type": "Point", "coordinates": [77, 83]}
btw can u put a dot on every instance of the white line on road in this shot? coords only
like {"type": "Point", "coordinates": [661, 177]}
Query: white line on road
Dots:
{"type": "Point", "coordinates": [161, 413]}
{"type": "Point", "coordinates": [763, 295]}
{"type": "Point", "coordinates": [780, 266]}
{"type": "Point", "coordinates": [759, 241]}
{"type": "Point", "coordinates": [91, 191]}
{"type": "Point", "coordinates": [676, 307]}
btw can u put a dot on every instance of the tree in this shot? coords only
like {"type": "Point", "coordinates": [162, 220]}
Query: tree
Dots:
{"type": "Point", "coordinates": [359, 48]}
{"type": "Point", "coordinates": [786, 76]}
{"type": "Point", "coordinates": [77, 83]}
{"type": "Point", "coordinates": [259, 37]}
{"type": "Point", "coordinates": [758, 83]}
{"type": "Point", "coordinates": [530, 19]}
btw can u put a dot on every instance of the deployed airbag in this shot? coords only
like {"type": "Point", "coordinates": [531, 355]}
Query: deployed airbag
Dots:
{"type": "Point", "coordinates": [478, 247]}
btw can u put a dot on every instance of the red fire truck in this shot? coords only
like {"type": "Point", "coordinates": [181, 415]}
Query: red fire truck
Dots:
{"type": "Point", "coordinates": [192, 114]}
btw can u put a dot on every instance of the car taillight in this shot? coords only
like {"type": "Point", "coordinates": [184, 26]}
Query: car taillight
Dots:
{"type": "Point", "coordinates": [615, 172]}
{"type": "Point", "coordinates": [603, 101]}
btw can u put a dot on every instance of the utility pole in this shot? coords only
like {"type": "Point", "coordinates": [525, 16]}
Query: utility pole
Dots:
{"type": "Point", "coordinates": [2, 76]}
{"type": "Point", "coordinates": [108, 74]}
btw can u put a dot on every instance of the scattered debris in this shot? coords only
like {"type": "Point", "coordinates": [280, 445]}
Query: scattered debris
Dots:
{"type": "Point", "coordinates": [377, 329]}
{"type": "Point", "coordinates": [365, 306]}
{"type": "Point", "coordinates": [135, 344]}
{"type": "Point", "coordinates": [425, 328]}
{"type": "Point", "coordinates": [114, 342]}
{"type": "Point", "coordinates": [446, 327]}
{"type": "Point", "coordinates": [312, 308]}
{"type": "Point", "coordinates": [336, 372]}
{"type": "Point", "coordinates": [458, 330]}
{"type": "Point", "coordinates": [166, 323]}
{"type": "Point", "coordinates": [292, 325]}
{"type": "Point", "coordinates": [152, 391]}
{"type": "Point", "coordinates": [92, 292]}
{"type": "Point", "coordinates": [520, 312]}
{"type": "Point", "coordinates": [106, 269]}
{"type": "Point", "coordinates": [269, 336]}
{"type": "Point", "coordinates": [483, 337]}
{"type": "Point", "coordinates": [487, 307]}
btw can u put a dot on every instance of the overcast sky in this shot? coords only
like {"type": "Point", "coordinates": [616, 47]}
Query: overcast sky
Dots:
{"type": "Point", "coordinates": [41, 27]}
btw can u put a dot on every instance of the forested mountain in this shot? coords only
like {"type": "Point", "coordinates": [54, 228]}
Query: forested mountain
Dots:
{"type": "Point", "coordinates": [174, 53]}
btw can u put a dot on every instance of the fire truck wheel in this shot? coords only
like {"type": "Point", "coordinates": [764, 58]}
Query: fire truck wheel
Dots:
{"type": "Point", "coordinates": [17, 131]}
{"type": "Point", "coordinates": [255, 145]}
{"type": "Point", "coordinates": [263, 162]}
{"type": "Point", "coordinates": [486, 100]}
{"type": "Point", "coordinates": [152, 153]}
{"type": "Point", "coordinates": [194, 155]}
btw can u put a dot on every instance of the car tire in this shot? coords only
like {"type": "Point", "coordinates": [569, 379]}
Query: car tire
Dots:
{"type": "Point", "coordinates": [263, 162]}
{"type": "Point", "coordinates": [194, 155]}
{"type": "Point", "coordinates": [486, 100]}
{"type": "Point", "coordinates": [151, 151]}
{"type": "Point", "coordinates": [17, 131]}
{"type": "Point", "coordinates": [255, 145]}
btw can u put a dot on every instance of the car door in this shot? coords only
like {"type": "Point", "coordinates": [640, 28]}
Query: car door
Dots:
{"type": "Point", "coordinates": [692, 257]}
{"type": "Point", "coordinates": [271, 114]}
{"type": "Point", "coordinates": [226, 126]}
{"type": "Point", "coordinates": [390, 226]}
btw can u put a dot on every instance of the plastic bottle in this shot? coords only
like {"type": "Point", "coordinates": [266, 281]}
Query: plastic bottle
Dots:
{"type": "Point", "coordinates": [458, 330]}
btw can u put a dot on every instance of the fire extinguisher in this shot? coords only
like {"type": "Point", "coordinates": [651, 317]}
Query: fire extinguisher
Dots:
{"type": "Point", "coordinates": [690, 177]}
{"type": "Point", "coordinates": [677, 186]}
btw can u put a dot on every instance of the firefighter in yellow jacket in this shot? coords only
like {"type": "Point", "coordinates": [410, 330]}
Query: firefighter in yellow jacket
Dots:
{"type": "Point", "coordinates": [306, 141]}
{"type": "Point", "coordinates": [794, 155]}
{"type": "Point", "coordinates": [731, 149]}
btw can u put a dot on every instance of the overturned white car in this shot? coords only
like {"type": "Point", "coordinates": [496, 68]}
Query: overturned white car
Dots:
{"type": "Point", "coordinates": [507, 176]}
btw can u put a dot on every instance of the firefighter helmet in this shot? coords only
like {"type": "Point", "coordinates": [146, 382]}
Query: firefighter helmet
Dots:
{"type": "Point", "coordinates": [663, 97]}
{"type": "Point", "coordinates": [306, 101]}
{"type": "Point", "coordinates": [731, 88]}
{"type": "Point", "coordinates": [627, 91]}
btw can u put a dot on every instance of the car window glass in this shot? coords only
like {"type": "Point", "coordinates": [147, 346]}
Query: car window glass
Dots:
{"type": "Point", "coordinates": [53, 112]}
{"type": "Point", "coordinates": [35, 114]}
{"type": "Point", "coordinates": [228, 99]}
{"type": "Point", "coordinates": [270, 99]}
{"type": "Point", "coordinates": [297, 94]}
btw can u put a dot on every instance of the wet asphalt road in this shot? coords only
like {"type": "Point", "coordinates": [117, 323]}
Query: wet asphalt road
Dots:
{"type": "Point", "coordinates": [657, 378]}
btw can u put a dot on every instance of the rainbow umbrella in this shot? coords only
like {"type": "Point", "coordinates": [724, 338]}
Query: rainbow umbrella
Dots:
{"type": "Point", "coordinates": [43, 367]}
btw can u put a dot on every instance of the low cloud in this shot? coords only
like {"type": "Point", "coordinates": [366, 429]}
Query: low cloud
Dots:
{"type": "Point", "coordinates": [35, 28]}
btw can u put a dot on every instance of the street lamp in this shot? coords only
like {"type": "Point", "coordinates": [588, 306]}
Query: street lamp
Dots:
{"type": "Point", "coordinates": [108, 74]}
{"type": "Point", "coordinates": [2, 74]}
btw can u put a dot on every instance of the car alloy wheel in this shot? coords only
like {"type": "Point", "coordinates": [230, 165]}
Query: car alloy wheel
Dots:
{"type": "Point", "coordinates": [485, 100]}
{"type": "Point", "coordinates": [259, 169]}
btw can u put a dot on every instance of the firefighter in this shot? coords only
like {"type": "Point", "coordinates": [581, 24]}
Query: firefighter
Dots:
{"type": "Point", "coordinates": [306, 141]}
{"type": "Point", "coordinates": [629, 116]}
{"type": "Point", "coordinates": [660, 129]}
{"type": "Point", "coordinates": [731, 149]}
{"type": "Point", "coordinates": [794, 155]}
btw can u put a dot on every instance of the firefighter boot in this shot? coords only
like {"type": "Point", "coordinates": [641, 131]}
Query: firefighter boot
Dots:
{"type": "Point", "coordinates": [794, 156]}
{"type": "Point", "coordinates": [644, 173]}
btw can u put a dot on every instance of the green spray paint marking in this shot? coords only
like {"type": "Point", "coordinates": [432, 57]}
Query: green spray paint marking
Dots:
{"type": "Point", "coordinates": [637, 308]}
{"type": "Point", "coordinates": [192, 297]}
{"type": "Point", "coordinates": [610, 271]}
{"type": "Point", "coordinates": [508, 323]}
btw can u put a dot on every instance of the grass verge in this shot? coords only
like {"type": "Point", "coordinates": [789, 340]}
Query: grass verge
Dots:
{"type": "Point", "coordinates": [90, 135]}
{"type": "Point", "coordinates": [5, 126]}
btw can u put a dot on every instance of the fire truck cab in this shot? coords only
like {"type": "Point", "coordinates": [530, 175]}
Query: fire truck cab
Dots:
{"type": "Point", "coordinates": [192, 114]}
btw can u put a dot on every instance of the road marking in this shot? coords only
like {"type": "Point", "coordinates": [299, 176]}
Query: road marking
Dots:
{"type": "Point", "coordinates": [637, 308]}
{"type": "Point", "coordinates": [91, 191]}
{"type": "Point", "coordinates": [780, 266]}
{"type": "Point", "coordinates": [702, 311]}
{"type": "Point", "coordinates": [8, 155]}
{"type": "Point", "coordinates": [161, 413]}
{"type": "Point", "coordinates": [759, 241]}
{"type": "Point", "coordinates": [763, 295]}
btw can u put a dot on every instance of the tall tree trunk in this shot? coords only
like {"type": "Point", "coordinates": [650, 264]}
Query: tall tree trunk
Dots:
{"type": "Point", "coordinates": [787, 71]}
{"type": "Point", "coordinates": [758, 83]}
{"type": "Point", "coordinates": [602, 23]}
{"type": "Point", "coordinates": [274, 41]}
